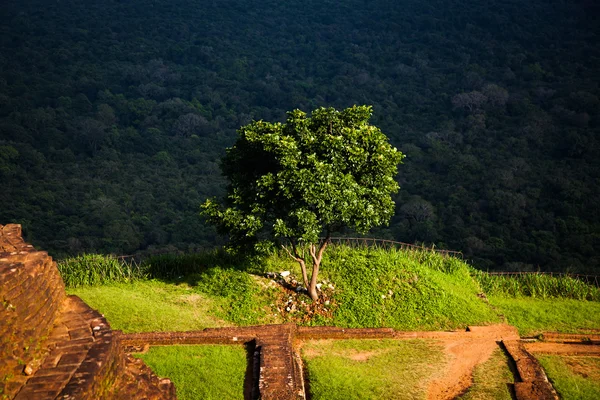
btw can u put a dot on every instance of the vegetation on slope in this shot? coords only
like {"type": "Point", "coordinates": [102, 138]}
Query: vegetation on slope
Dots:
{"type": "Point", "coordinates": [410, 290]}
{"type": "Point", "coordinates": [491, 379]}
{"type": "Point", "coordinates": [373, 287]}
{"type": "Point", "coordinates": [537, 286]}
{"type": "Point", "coordinates": [113, 116]}
{"type": "Point", "coordinates": [533, 316]}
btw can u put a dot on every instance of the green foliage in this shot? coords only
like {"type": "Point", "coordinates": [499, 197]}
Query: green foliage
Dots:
{"type": "Point", "coordinates": [537, 286]}
{"type": "Point", "coordinates": [308, 176]}
{"type": "Point", "coordinates": [211, 372]}
{"type": "Point", "coordinates": [373, 287]}
{"type": "Point", "coordinates": [178, 266]}
{"type": "Point", "coordinates": [371, 369]}
{"type": "Point", "coordinates": [96, 269]}
{"type": "Point", "coordinates": [570, 383]}
{"type": "Point", "coordinates": [509, 179]}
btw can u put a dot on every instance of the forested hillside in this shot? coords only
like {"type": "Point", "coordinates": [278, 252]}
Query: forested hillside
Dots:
{"type": "Point", "coordinates": [114, 114]}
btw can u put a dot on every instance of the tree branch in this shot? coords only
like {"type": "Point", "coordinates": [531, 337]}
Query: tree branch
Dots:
{"type": "Point", "coordinates": [300, 260]}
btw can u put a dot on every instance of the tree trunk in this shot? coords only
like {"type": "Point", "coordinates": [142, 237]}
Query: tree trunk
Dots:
{"type": "Point", "coordinates": [316, 256]}
{"type": "Point", "coordinates": [312, 287]}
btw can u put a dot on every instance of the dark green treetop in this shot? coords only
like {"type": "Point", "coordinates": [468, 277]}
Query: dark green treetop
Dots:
{"type": "Point", "coordinates": [300, 181]}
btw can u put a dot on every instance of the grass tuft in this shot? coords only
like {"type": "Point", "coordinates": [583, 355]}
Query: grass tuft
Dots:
{"type": "Point", "coordinates": [96, 269]}
{"type": "Point", "coordinates": [178, 266]}
{"type": "Point", "coordinates": [534, 285]}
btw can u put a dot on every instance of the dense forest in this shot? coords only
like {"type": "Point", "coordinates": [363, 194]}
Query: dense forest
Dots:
{"type": "Point", "coordinates": [114, 115]}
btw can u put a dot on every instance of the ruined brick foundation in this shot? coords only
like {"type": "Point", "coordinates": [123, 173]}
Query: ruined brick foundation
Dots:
{"type": "Point", "coordinates": [53, 346]}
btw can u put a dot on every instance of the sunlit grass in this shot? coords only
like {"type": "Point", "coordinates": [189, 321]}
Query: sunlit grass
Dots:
{"type": "Point", "coordinates": [146, 306]}
{"type": "Point", "coordinates": [491, 379]}
{"type": "Point", "coordinates": [533, 316]}
{"type": "Point", "coordinates": [573, 377]}
{"type": "Point", "coordinates": [534, 285]}
{"type": "Point", "coordinates": [208, 372]}
{"type": "Point", "coordinates": [371, 369]}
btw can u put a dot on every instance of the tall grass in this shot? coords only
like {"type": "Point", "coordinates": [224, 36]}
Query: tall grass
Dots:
{"type": "Point", "coordinates": [537, 286]}
{"type": "Point", "coordinates": [179, 266]}
{"type": "Point", "coordinates": [96, 269]}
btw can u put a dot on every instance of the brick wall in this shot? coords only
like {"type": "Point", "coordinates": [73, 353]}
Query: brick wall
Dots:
{"type": "Point", "coordinates": [55, 346]}
{"type": "Point", "coordinates": [31, 292]}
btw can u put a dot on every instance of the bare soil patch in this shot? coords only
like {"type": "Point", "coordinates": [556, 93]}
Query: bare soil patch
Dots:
{"type": "Point", "coordinates": [464, 355]}
{"type": "Point", "coordinates": [587, 367]}
{"type": "Point", "coordinates": [563, 348]}
{"type": "Point", "coordinates": [362, 356]}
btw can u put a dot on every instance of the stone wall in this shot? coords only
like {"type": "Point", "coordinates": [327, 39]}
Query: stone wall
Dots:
{"type": "Point", "coordinates": [54, 346]}
{"type": "Point", "coordinates": [31, 293]}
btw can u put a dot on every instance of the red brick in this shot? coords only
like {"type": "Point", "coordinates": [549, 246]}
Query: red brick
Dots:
{"type": "Point", "coordinates": [71, 359]}
{"type": "Point", "coordinates": [80, 333]}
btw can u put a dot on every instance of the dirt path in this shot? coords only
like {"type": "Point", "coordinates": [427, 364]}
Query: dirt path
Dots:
{"type": "Point", "coordinates": [465, 354]}
{"type": "Point", "coordinates": [458, 376]}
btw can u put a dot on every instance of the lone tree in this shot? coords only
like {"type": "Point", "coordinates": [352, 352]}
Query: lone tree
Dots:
{"type": "Point", "coordinates": [296, 183]}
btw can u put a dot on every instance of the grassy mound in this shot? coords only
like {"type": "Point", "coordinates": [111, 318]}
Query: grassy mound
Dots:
{"type": "Point", "coordinates": [401, 289]}
{"type": "Point", "coordinates": [364, 287]}
{"type": "Point", "coordinates": [404, 290]}
{"type": "Point", "coordinates": [371, 288]}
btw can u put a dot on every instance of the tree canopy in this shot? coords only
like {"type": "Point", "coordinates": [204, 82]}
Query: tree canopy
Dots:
{"type": "Point", "coordinates": [299, 181]}
{"type": "Point", "coordinates": [114, 116]}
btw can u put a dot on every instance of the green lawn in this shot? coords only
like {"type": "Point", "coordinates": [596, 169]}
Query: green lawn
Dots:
{"type": "Point", "coordinates": [573, 377]}
{"type": "Point", "coordinates": [208, 372]}
{"type": "Point", "coordinates": [533, 316]}
{"type": "Point", "coordinates": [146, 306]}
{"type": "Point", "coordinates": [371, 369]}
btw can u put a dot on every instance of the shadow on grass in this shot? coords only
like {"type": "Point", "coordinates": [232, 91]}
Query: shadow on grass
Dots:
{"type": "Point", "coordinates": [252, 371]}
{"type": "Point", "coordinates": [176, 268]}
{"type": "Point", "coordinates": [512, 365]}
